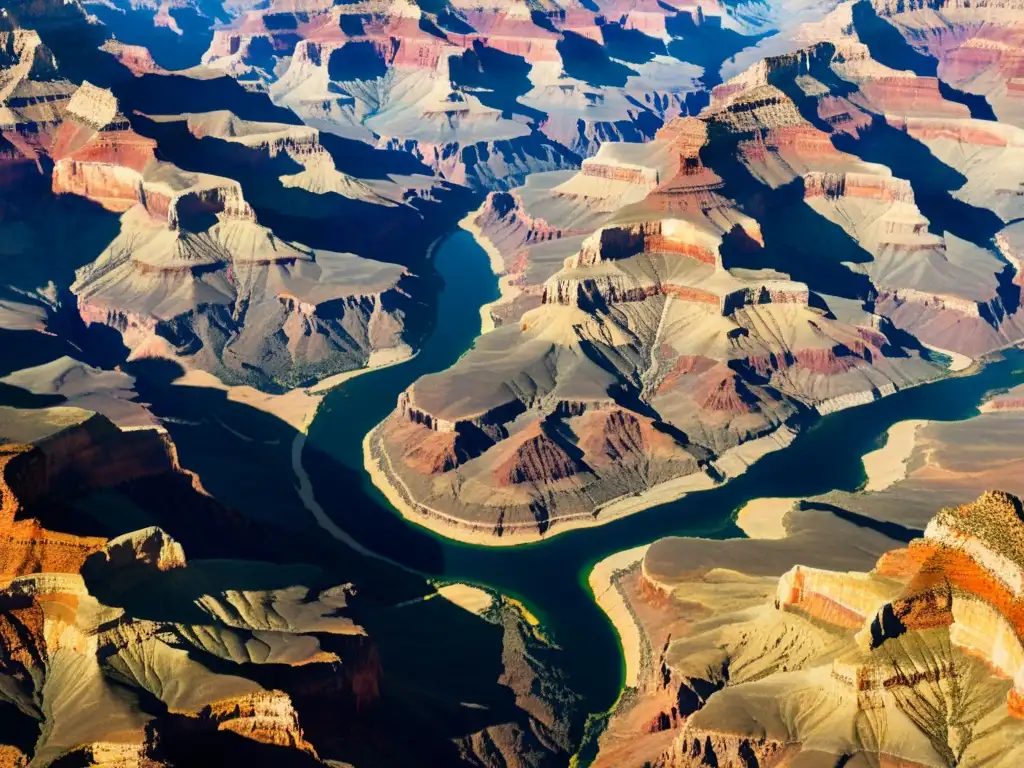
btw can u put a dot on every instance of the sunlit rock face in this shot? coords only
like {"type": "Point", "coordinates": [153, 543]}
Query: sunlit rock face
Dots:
{"type": "Point", "coordinates": [193, 267]}
{"type": "Point", "coordinates": [485, 94]}
{"type": "Point", "coordinates": [926, 617]}
{"type": "Point", "coordinates": [820, 664]}
{"type": "Point", "coordinates": [838, 222]}
{"type": "Point", "coordinates": [190, 232]}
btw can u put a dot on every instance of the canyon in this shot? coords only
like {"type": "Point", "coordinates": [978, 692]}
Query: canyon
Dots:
{"type": "Point", "coordinates": [311, 312]}
{"type": "Point", "coordinates": [878, 627]}
{"type": "Point", "coordinates": [675, 309]}
{"type": "Point", "coordinates": [250, 651]}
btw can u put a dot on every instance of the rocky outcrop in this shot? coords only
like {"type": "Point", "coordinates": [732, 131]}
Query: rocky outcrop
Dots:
{"type": "Point", "coordinates": [961, 306]}
{"type": "Point", "coordinates": [702, 749]}
{"type": "Point", "coordinates": [671, 236]}
{"type": "Point", "coordinates": [844, 600]}
{"type": "Point", "coordinates": [97, 155]}
{"type": "Point", "coordinates": [833, 665]}
{"type": "Point", "coordinates": [537, 457]}
{"type": "Point", "coordinates": [857, 185]}
{"type": "Point", "coordinates": [89, 453]}
{"type": "Point", "coordinates": [267, 717]}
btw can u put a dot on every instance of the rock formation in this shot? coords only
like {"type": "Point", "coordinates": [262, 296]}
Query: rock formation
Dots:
{"type": "Point", "coordinates": [848, 657]}
{"type": "Point", "coordinates": [914, 656]}
{"type": "Point", "coordinates": [814, 240]}
{"type": "Point", "coordinates": [143, 648]}
{"type": "Point", "coordinates": [211, 265]}
{"type": "Point", "coordinates": [483, 94]}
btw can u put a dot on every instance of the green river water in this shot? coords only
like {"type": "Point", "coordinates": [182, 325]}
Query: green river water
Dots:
{"type": "Point", "coordinates": [244, 458]}
{"type": "Point", "coordinates": [550, 577]}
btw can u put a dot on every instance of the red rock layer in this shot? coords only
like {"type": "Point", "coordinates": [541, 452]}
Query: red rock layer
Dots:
{"type": "Point", "coordinates": [617, 173]}
{"type": "Point", "coordinates": [722, 390]}
{"type": "Point", "coordinates": [910, 95]}
{"type": "Point", "coordinates": [684, 366]}
{"type": "Point", "coordinates": [961, 132]}
{"type": "Point", "coordinates": [804, 140]}
{"type": "Point", "coordinates": [103, 166]}
{"type": "Point", "coordinates": [616, 437]}
{"type": "Point", "coordinates": [136, 58]}
{"type": "Point", "coordinates": [534, 456]}
{"type": "Point", "coordinates": [25, 546]}
{"type": "Point", "coordinates": [842, 116]}
{"type": "Point", "coordinates": [837, 185]}
{"type": "Point", "coordinates": [93, 455]}
{"type": "Point", "coordinates": [661, 244]}
{"type": "Point", "coordinates": [424, 450]}
{"type": "Point", "coordinates": [816, 601]}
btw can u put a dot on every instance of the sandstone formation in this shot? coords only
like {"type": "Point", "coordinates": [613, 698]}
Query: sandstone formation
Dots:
{"type": "Point", "coordinates": [484, 94]}
{"type": "Point", "coordinates": [210, 265]}
{"type": "Point", "coordinates": [916, 659]}
{"type": "Point", "coordinates": [824, 234]}
{"type": "Point", "coordinates": [141, 649]}
{"type": "Point", "coordinates": [688, 595]}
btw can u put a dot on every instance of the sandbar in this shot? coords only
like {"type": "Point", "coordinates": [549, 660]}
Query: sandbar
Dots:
{"type": "Point", "coordinates": [958, 362]}
{"type": "Point", "coordinates": [473, 599]}
{"type": "Point", "coordinates": [764, 518]}
{"type": "Point", "coordinates": [606, 591]}
{"type": "Point", "coordinates": [888, 465]}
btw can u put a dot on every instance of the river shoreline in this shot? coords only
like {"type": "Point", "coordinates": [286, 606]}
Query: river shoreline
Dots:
{"type": "Point", "coordinates": [888, 465]}
{"type": "Point", "coordinates": [730, 464]}
{"type": "Point", "coordinates": [507, 290]}
{"type": "Point", "coordinates": [297, 408]}
{"type": "Point", "coordinates": [554, 575]}
{"type": "Point", "coordinates": [603, 581]}
{"type": "Point", "coordinates": [377, 466]}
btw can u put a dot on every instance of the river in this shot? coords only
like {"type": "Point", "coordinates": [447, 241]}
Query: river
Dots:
{"type": "Point", "coordinates": [254, 472]}
{"type": "Point", "coordinates": [550, 577]}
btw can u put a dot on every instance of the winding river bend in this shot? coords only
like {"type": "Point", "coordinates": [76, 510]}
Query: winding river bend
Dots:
{"type": "Point", "coordinates": [550, 576]}
{"type": "Point", "coordinates": [245, 458]}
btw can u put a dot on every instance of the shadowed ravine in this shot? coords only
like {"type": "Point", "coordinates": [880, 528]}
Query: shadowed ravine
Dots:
{"type": "Point", "coordinates": [550, 577]}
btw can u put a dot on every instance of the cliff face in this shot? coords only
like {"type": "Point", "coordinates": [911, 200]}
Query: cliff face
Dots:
{"type": "Point", "coordinates": [838, 665]}
{"type": "Point", "coordinates": [686, 276]}
{"type": "Point", "coordinates": [835, 221]}
{"type": "Point", "coordinates": [54, 625]}
{"type": "Point", "coordinates": [237, 639]}
{"type": "Point", "coordinates": [210, 265]}
{"type": "Point", "coordinates": [483, 95]}
{"type": "Point", "coordinates": [87, 455]}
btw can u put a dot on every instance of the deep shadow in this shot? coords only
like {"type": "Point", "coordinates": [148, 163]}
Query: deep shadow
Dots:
{"type": "Point", "coordinates": [330, 221]}
{"type": "Point", "coordinates": [630, 45]}
{"type": "Point", "coordinates": [170, 50]}
{"type": "Point", "coordinates": [887, 46]}
{"type": "Point", "coordinates": [703, 41]}
{"type": "Point", "coordinates": [797, 239]}
{"type": "Point", "coordinates": [356, 60]}
{"type": "Point", "coordinates": [497, 78]}
{"type": "Point", "coordinates": [894, 531]}
{"type": "Point", "coordinates": [585, 59]}
{"type": "Point", "coordinates": [431, 658]}
{"type": "Point", "coordinates": [176, 94]}
{"type": "Point", "coordinates": [886, 626]}
{"type": "Point", "coordinates": [932, 180]}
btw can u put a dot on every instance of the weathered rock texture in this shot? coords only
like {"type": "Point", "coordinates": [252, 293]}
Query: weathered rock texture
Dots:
{"type": "Point", "coordinates": [823, 235]}
{"type": "Point", "coordinates": [915, 662]}
{"type": "Point", "coordinates": [230, 643]}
